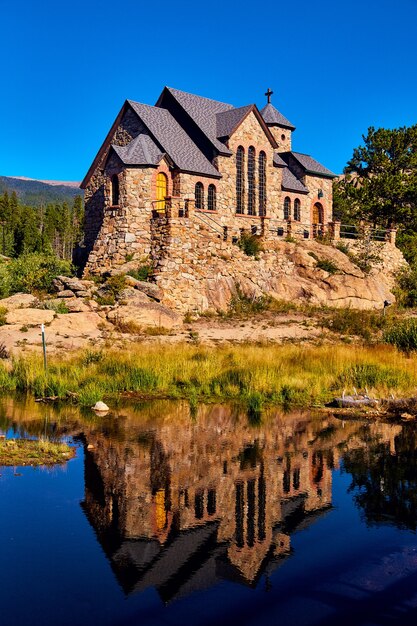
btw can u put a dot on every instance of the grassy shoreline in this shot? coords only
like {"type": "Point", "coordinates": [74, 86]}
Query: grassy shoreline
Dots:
{"type": "Point", "coordinates": [32, 452]}
{"type": "Point", "coordinates": [256, 375]}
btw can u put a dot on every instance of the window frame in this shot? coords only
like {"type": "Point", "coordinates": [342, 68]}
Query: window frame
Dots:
{"type": "Point", "coordinates": [240, 180]}
{"type": "Point", "coordinates": [262, 183]}
{"type": "Point", "coordinates": [115, 190]}
{"type": "Point", "coordinates": [199, 195]}
{"type": "Point", "coordinates": [212, 198]}
{"type": "Point", "coordinates": [251, 180]}
{"type": "Point", "coordinates": [297, 210]}
{"type": "Point", "coordinates": [287, 208]}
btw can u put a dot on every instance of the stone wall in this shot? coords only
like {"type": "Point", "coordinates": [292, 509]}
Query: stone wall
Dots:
{"type": "Point", "coordinates": [283, 137]}
{"type": "Point", "coordinates": [198, 270]}
{"type": "Point", "coordinates": [101, 219]}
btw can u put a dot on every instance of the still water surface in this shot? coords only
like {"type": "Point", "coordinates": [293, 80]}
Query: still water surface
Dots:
{"type": "Point", "coordinates": [167, 518]}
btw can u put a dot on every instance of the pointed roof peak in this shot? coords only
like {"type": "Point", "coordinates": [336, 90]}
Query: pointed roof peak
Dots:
{"type": "Point", "coordinates": [273, 117]}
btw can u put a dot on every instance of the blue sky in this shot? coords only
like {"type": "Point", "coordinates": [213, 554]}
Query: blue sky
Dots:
{"type": "Point", "coordinates": [67, 67]}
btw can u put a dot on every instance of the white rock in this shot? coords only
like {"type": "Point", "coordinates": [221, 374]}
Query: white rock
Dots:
{"type": "Point", "coordinates": [100, 407]}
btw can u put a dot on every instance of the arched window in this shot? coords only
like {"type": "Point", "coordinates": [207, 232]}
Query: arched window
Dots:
{"type": "Point", "coordinates": [287, 208]}
{"type": "Point", "coordinates": [297, 210]}
{"type": "Point", "coordinates": [161, 190]}
{"type": "Point", "coordinates": [115, 199]}
{"type": "Point", "coordinates": [251, 182]}
{"type": "Point", "coordinates": [240, 180]}
{"type": "Point", "coordinates": [262, 183]}
{"type": "Point", "coordinates": [211, 198]}
{"type": "Point", "coordinates": [199, 196]}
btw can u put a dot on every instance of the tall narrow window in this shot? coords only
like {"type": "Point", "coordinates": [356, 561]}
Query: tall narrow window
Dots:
{"type": "Point", "coordinates": [199, 196]}
{"type": "Point", "coordinates": [115, 190]}
{"type": "Point", "coordinates": [240, 180]}
{"type": "Point", "coordinates": [287, 208]}
{"type": "Point", "coordinates": [297, 210]}
{"type": "Point", "coordinates": [161, 190]}
{"type": "Point", "coordinates": [262, 183]}
{"type": "Point", "coordinates": [211, 198]}
{"type": "Point", "coordinates": [251, 182]}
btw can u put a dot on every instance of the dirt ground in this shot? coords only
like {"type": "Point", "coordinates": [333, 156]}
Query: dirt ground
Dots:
{"type": "Point", "coordinates": [81, 331]}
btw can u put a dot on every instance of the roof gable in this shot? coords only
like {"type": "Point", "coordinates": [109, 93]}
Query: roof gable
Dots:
{"type": "Point", "coordinates": [309, 165]}
{"type": "Point", "coordinates": [278, 161]}
{"type": "Point", "coordinates": [104, 146]}
{"type": "Point", "coordinates": [174, 140]}
{"type": "Point", "coordinates": [140, 151]}
{"type": "Point", "coordinates": [202, 111]}
{"type": "Point", "coordinates": [273, 117]}
{"type": "Point", "coordinates": [291, 183]}
{"type": "Point", "coordinates": [229, 121]}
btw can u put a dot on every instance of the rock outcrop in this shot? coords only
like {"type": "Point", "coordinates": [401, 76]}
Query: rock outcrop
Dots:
{"type": "Point", "coordinates": [201, 271]}
{"type": "Point", "coordinates": [150, 314]}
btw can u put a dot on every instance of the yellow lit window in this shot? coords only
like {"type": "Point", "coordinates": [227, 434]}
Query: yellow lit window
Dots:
{"type": "Point", "coordinates": [161, 190]}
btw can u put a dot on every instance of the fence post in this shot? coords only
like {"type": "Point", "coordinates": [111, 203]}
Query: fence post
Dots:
{"type": "Point", "coordinates": [45, 364]}
{"type": "Point", "coordinates": [391, 236]}
{"type": "Point", "coordinates": [334, 228]}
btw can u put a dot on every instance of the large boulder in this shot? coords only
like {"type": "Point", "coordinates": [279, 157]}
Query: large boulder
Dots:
{"type": "Point", "coordinates": [88, 324]}
{"type": "Point", "coordinates": [131, 296]}
{"type": "Point", "coordinates": [30, 317]}
{"type": "Point", "coordinates": [147, 314]}
{"type": "Point", "coordinates": [19, 301]}
{"type": "Point", "coordinates": [150, 289]}
{"type": "Point", "coordinates": [74, 305]}
{"type": "Point", "coordinates": [65, 282]}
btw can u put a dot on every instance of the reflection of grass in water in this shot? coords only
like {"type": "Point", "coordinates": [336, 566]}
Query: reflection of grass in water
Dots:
{"type": "Point", "coordinates": [286, 375]}
{"type": "Point", "coordinates": [30, 452]}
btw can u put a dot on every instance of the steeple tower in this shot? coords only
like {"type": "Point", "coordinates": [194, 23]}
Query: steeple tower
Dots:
{"type": "Point", "coordinates": [279, 126]}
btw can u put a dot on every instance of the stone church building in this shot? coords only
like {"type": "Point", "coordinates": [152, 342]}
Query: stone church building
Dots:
{"type": "Point", "coordinates": [220, 168]}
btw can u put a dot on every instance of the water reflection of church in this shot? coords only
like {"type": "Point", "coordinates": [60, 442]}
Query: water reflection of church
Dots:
{"type": "Point", "coordinates": [186, 504]}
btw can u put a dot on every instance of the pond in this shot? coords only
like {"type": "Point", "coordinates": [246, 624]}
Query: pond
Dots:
{"type": "Point", "coordinates": [167, 517]}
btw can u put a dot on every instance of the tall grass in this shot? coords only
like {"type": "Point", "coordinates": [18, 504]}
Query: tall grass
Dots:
{"type": "Point", "coordinates": [403, 335]}
{"type": "Point", "coordinates": [286, 375]}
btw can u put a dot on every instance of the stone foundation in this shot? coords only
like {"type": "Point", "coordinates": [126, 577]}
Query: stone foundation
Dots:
{"type": "Point", "coordinates": [198, 269]}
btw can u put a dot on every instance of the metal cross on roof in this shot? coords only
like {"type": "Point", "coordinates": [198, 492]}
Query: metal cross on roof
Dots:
{"type": "Point", "coordinates": [269, 94]}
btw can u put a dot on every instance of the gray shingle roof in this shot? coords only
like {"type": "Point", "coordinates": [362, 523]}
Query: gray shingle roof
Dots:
{"type": "Point", "coordinates": [312, 166]}
{"type": "Point", "coordinates": [272, 116]}
{"type": "Point", "coordinates": [278, 161]}
{"type": "Point", "coordinates": [174, 140]}
{"type": "Point", "coordinates": [228, 120]}
{"type": "Point", "coordinates": [203, 111]}
{"type": "Point", "coordinates": [291, 182]}
{"type": "Point", "coordinates": [140, 151]}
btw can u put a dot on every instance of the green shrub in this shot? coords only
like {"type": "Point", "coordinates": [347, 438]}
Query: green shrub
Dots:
{"type": "Point", "coordinates": [3, 313]}
{"type": "Point", "coordinates": [407, 243]}
{"type": "Point", "coordinates": [115, 285]}
{"type": "Point", "coordinates": [242, 304]}
{"type": "Point", "coordinates": [353, 322]}
{"type": "Point", "coordinates": [403, 335]}
{"type": "Point", "coordinates": [5, 280]}
{"type": "Point", "coordinates": [58, 307]}
{"type": "Point", "coordinates": [250, 244]}
{"type": "Point", "coordinates": [327, 266]}
{"type": "Point", "coordinates": [35, 272]}
{"type": "Point", "coordinates": [106, 300]}
{"type": "Point", "coordinates": [406, 288]}
{"type": "Point", "coordinates": [144, 272]}
{"type": "Point", "coordinates": [343, 247]}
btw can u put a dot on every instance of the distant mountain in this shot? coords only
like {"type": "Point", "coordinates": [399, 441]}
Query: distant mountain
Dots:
{"type": "Point", "coordinates": [37, 192]}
